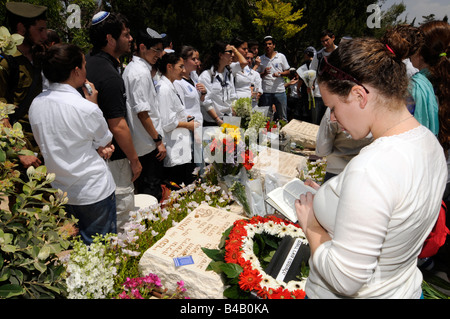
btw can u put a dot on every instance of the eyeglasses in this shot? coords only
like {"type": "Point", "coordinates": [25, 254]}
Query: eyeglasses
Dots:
{"type": "Point", "coordinates": [338, 74]}
{"type": "Point", "coordinates": [228, 51]}
{"type": "Point", "coordinates": [157, 50]}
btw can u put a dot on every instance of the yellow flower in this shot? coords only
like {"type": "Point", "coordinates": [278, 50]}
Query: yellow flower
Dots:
{"type": "Point", "coordinates": [8, 42]}
{"type": "Point", "coordinates": [232, 131]}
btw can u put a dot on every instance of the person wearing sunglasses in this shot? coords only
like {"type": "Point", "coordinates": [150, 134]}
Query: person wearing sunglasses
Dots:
{"type": "Point", "coordinates": [367, 226]}
{"type": "Point", "coordinates": [218, 80]}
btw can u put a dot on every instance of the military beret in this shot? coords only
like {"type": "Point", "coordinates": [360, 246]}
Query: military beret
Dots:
{"type": "Point", "coordinates": [24, 9]}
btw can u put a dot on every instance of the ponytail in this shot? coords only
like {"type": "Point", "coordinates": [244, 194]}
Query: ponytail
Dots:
{"type": "Point", "coordinates": [435, 53]}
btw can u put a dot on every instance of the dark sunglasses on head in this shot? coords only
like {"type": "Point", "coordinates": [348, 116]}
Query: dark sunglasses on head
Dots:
{"type": "Point", "coordinates": [338, 74]}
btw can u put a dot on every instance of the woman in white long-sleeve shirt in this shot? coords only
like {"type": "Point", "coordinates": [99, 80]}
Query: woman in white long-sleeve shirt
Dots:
{"type": "Point", "coordinates": [367, 226]}
{"type": "Point", "coordinates": [219, 83]}
{"type": "Point", "coordinates": [247, 82]}
{"type": "Point", "coordinates": [73, 136]}
{"type": "Point", "coordinates": [193, 93]}
{"type": "Point", "coordinates": [175, 122]}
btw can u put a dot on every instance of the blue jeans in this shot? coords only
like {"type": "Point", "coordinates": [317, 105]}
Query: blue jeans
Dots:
{"type": "Point", "coordinates": [280, 101]}
{"type": "Point", "coordinates": [98, 218]}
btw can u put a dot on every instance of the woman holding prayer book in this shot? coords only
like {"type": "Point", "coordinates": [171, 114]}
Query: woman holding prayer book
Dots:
{"type": "Point", "coordinates": [366, 227]}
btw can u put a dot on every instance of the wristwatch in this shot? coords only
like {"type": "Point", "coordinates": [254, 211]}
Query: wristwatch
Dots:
{"type": "Point", "coordinates": [158, 139]}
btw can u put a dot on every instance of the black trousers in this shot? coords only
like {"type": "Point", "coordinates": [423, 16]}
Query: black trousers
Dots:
{"type": "Point", "coordinates": [152, 176]}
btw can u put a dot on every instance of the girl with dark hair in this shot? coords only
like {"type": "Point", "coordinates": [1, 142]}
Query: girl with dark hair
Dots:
{"type": "Point", "coordinates": [175, 122]}
{"type": "Point", "coordinates": [367, 226]}
{"type": "Point", "coordinates": [193, 93]}
{"type": "Point", "coordinates": [421, 101]}
{"type": "Point", "coordinates": [75, 141]}
{"type": "Point", "coordinates": [247, 82]}
{"type": "Point", "coordinates": [218, 80]}
{"type": "Point", "coordinates": [433, 56]}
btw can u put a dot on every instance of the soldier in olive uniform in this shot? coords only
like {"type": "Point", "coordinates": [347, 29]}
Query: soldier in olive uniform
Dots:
{"type": "Point", "coordinates": [20, 75]}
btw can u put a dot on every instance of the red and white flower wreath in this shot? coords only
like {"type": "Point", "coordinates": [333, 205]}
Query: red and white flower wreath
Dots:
{"type": "Point", "coordinates": [239, 250]}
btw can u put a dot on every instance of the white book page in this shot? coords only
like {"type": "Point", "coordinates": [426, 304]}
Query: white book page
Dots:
{"type": "Point", "coordinates": [296, 187]}
{"type": "Point", "coordinates": [283, 199]}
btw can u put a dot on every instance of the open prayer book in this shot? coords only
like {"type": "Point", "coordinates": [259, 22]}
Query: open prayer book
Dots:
{"type": "Point", "coordinates": [283, 198]}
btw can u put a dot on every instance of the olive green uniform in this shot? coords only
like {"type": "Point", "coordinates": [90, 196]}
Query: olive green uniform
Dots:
{"type": "Point", "coordinates": [19, 84]}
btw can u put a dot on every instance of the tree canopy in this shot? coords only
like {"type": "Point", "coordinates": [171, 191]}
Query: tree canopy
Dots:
{"type": "Point", "coordinates": [296, 24]}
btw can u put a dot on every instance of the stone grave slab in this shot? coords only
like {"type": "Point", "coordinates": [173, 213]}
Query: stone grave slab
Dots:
{"type": "Point", "coordinates": [270, 160]}
{"type": "Point", "coordinates": [302, 133]}
{"type": "Point", "coordinates": [202, 228]}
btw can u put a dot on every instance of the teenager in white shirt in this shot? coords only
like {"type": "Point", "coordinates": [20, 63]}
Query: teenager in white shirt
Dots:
{"type": "Point", "coordinates": [74, 139]}
{"type": "Point", "coordinates": [178, 162]}
{"type": "Point", "coordinates": [255, 78]}
{"type": "Point", "coordinates": [327, 39]}
{"type": "Point", "coordinates": [143, 115]}
{"type": "Point", "coordinates": [193, 94]}
{"type": "Point", "coordinates": [218, 80]}
{"type": "Point", "coordinates": [367, 226]}
{"type": "Point", "coordinates": [247, 82]}
{"type": "Point", "coordinates": [274, 66]}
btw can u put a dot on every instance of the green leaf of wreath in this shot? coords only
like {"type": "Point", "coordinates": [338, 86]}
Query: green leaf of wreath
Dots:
{"type": "Point", "coordinates": [214, 254]}
{"type": "Point", "coordinates": [231, 270]}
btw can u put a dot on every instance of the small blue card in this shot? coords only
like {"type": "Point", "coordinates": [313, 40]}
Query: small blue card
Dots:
{"type": "Point", "coordinates": [183, 261]}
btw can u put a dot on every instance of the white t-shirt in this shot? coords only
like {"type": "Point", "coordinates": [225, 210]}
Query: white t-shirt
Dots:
{"type": "Point", "coordinates": [221, 93]}
{"type": "Point", "coordinates": [141, 97]}
{"type": "Point", "coordinates": [190, 96]}
{"type": "Point", "coordinates": [278, 63]}
{"type": "Point", "coordinates": [69, 129]}
{"type": "Point", "coordinates": [378, 212]}
{"type": "Point", "coordinates": [177, 140]}
{"type": "Point", "coordinates": [244, 79]}
{"type": "Point", "coordinates": [314, 65]}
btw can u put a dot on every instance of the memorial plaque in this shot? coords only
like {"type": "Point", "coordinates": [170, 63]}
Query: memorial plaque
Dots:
{"type": "Point", "coordinates": [302, 133]}
{"type": "Point", "coordinates": [270, 160]}
{"type": "Point", "coordinates": [179, 256]}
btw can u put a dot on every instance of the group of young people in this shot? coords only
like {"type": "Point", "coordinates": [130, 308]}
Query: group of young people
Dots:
{"type": "Point", "coordinates": [106, 134]}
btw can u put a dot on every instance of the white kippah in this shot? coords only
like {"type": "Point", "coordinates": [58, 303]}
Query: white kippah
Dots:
{"type": "Point", "coordinates": [153, 34]}
{"type": "Point", "coordinates": [99, 17]}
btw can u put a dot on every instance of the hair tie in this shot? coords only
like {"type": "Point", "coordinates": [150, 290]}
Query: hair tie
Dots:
{"type": "Point", "coordinates": [390, 50]}
{"type": "Point", "coordinates": [443, 54]}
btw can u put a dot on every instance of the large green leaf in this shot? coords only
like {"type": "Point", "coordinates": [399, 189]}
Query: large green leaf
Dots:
{"type": "Point", "coordinates": [9, 248]}
{"type": "Point", "coordinates": [231, 270]}
{"type": "Point", "coordinates": [214, 254]}
{"type": "Point", "coordinates": [8, 291]}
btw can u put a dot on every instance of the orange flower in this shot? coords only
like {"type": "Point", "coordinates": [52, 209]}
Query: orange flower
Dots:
{"type": "Point", "coordinates": [232, 256]}
{"type": "Point", "coordinates": [299, 294]}
{"type": "Point", "coordinates": [249, 279]}
{"type": "Point", "coordinates": [248, 160]}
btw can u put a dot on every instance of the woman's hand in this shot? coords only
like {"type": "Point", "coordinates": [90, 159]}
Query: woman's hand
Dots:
{"type": "Point", "coordinates": [314, 232]}
{"type": "Point", "coordinates": [309, 182]}
{"type": "Point", "coordinates": [90, 97]}
{"type": "Point", "coordinates": [106, 152]}
{"type": "Point", "coordinates": [305, 211]}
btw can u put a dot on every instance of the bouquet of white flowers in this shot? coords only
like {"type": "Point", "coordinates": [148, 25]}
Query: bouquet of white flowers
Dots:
{"type": "Point", "coordinates": [309, 77]}
{"type": "Point", "coordinates": [8, 42]}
